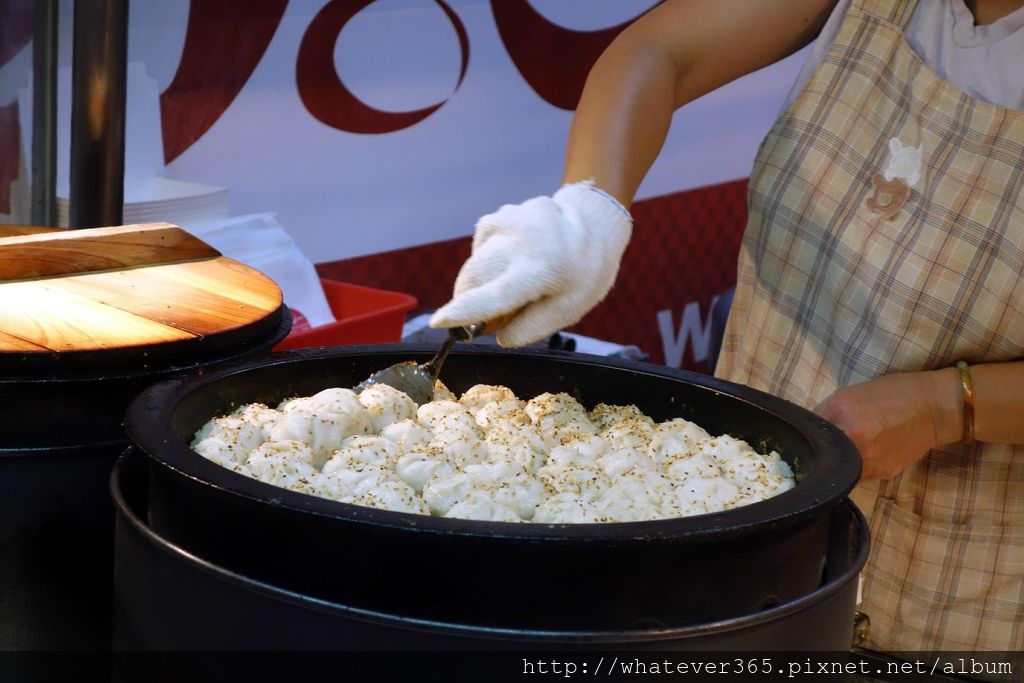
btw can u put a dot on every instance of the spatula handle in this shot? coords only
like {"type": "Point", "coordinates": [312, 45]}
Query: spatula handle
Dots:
{"type": "Point", "coordinates": [464, 333]}
{"type": "Point", "coordinates": [471, 332]}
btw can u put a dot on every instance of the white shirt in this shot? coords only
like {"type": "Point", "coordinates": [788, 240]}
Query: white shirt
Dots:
{"type": "Point", "coordinates": [986, 62]}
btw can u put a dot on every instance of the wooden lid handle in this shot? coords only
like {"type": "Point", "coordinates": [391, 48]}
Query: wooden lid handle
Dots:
{"type": "Point", "coordinates": [66, 252]}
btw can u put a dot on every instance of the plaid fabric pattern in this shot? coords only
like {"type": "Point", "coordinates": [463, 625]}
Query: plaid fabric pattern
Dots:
{"type": "Point", "coordinates": [832, 294]}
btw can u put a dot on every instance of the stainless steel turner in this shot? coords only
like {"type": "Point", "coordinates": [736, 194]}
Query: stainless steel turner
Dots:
{"type": "Point", "coordinates": [415, 379]}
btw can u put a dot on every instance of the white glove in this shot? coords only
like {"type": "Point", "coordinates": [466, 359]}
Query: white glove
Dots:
{"type": "Point", "coordinates": [548, 260]}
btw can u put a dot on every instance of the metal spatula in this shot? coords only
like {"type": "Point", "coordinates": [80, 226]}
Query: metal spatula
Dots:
{"type": "Point", "coordinates": [415, 379]}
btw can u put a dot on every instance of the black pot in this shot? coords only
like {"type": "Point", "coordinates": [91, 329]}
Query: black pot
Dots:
{"type": "Point", "coordinates": [168, 597]}
{"type": "Point", "coordinates": [681, 571]}
{"type": "Point", "coordinates": [61, 433]}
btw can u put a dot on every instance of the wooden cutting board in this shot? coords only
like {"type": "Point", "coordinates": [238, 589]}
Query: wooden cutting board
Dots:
{"type": "Point", "coordinates": [131, 289]}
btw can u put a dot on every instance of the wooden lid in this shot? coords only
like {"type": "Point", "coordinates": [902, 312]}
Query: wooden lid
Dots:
{"type": "Point", "coordinates": [127, 292]}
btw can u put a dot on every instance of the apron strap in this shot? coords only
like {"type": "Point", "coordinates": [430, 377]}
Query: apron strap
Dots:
{"type": "Point", "coordinates": [893, 11]}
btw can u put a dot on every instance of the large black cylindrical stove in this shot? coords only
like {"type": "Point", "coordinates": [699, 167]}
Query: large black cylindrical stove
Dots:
{"type": "Point", "coordinates": [60, 435]}
{"type": "Point", "coordinates": [169, 598]}
{"type": "Point", "coordinates": [565, 578]}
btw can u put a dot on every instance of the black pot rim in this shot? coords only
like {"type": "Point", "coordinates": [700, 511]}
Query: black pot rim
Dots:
{"type": "Point", "coordinates": [833, 586]}
{"type": "Point", "coordinates": [149, 426]}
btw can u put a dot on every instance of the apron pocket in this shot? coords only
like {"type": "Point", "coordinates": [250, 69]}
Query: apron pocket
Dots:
{"type": "Point", "coordinates": [932, 585]}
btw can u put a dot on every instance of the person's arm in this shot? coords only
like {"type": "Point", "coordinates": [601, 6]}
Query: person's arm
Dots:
{"type": "Point", "coordinates": [675, 53]}
{"type": "Point", "coordinates": [896, 419]}
{"type": "Point", "coordinates": [998, 402]}
{"type": "Point", "coordinates": [544, 263]}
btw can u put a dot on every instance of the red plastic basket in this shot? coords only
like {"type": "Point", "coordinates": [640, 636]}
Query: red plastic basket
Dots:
{"type": "Point", "coordinates": [364, 315]}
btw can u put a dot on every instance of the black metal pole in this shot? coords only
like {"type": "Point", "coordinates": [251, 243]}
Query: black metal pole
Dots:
{"type": "Point", "coordinates": [44, 112]}
{"type": "Point", "coordinates": [98, 94]}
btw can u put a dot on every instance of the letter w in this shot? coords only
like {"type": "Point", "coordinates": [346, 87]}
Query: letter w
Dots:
{"type": "Point", "coordinates": [691, 328]}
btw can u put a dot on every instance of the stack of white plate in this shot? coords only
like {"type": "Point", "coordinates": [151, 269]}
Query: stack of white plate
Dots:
{"type": "Point", "coordinates": [167, 200]}
{"type": "Point", "coordinates": [148, 196]}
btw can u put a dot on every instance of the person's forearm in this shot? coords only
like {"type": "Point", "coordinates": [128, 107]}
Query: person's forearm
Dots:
{"type": "Point", "coordinates": [675, 53]}
{"type": "Point", "coordinates": [622, 119]}
{"type": "Point", "coordinates": [894, 420]}
{"type": "Point", "coordinates": [998, 402]}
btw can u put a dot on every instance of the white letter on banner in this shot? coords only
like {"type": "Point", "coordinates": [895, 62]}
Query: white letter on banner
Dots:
{"type": "Point", "coordinates": [690, 328]}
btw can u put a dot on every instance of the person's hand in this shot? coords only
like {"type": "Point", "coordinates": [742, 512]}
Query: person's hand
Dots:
{"type": "Point", "coordinates": [547, 262]}
{"type": "Point", "coordinates": [895, 420]}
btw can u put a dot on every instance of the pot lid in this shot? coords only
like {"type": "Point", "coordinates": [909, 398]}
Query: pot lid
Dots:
{"type": "Point", "coordinates": [125, 294]}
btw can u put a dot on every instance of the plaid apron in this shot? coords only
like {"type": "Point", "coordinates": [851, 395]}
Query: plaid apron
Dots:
{"type": "Point", "coordinates": [832, 293]}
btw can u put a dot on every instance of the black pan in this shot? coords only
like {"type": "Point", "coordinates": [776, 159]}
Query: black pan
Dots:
{"type": "Point", "coordinates": [680, 571]}
{"type": "Point", "coordinates": [168, 598]}
{"type": "Point", "coordinates": [60, 434]}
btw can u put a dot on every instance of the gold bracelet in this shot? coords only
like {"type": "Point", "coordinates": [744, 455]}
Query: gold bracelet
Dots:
{"type": "Point", "coordinates": [968, 393]}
